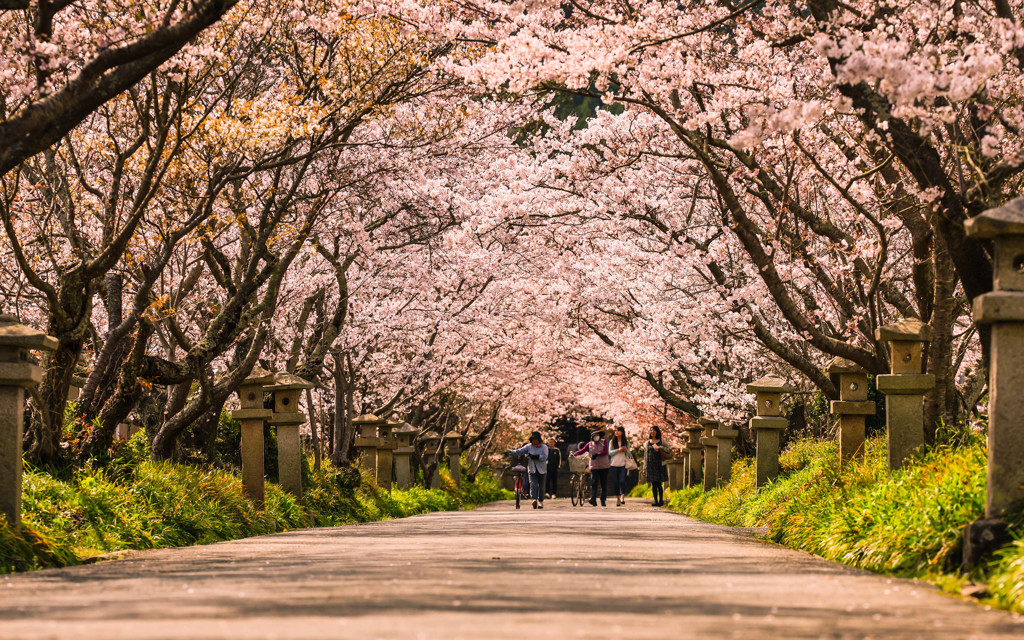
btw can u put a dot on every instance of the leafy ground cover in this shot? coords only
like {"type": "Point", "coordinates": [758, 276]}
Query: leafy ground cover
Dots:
{"type": "Point", "coordinates": [909, 523]}
{"type": "Point", "coordinates": [138, 504]}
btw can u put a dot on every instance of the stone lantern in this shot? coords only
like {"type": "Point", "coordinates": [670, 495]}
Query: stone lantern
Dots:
{"type": "Point", "coordinates": [694, 448]}
{"type": "Point", "coordinates": [252, 415]}
{"type": "Point", "coordinates": [1003, 309]}
{"type": "Point", "coordinates": [453, 449]}
{"type": "Point", "coordinates": [768, 424]}
{"type": "Point", "coordinates": [389, 429]}
{"type": "Point", "coordinates": [852, 407]}
{"type": "Point", "coordinates": [725, 438]}
{"type": "Point", "coordinates": [366, 441]}
{"type": "Point", "coordinates": [386, 445]}
{"type": "Point", "coordinates": [904, 388]}
{"type": "Point", "coordinates": [676, 468]}
{"type": "Point", "coordinates": [75, 390]}
{"type": "Point", "coordinates": [710, 444]}
{"type": "Point", "coordinates": [287, 418]}
{"type": "Point", "coordinates": [403, 455]}
{"type": "Point", "coordinates": [684, 464]}
{"type": "Point", "coordinates": [431, 441]}
{"type": "Point", "coordinates": [17, 373]}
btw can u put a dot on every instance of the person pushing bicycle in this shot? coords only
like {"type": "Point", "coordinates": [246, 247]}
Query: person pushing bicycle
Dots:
{"type": "Point", "coordinates": [537, 465]}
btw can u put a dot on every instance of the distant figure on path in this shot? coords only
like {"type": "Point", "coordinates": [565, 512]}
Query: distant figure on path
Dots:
{"type": "Point", "coordinates": [599, 465]}
{"type": "Point", "coordinates": [537, 466]}
{"type": "Point", "coordinates": [619, 452]}
{"type": "Point", "coordinates": [554, 461]}
{"type": "Point", "coordinates": [653, 465]}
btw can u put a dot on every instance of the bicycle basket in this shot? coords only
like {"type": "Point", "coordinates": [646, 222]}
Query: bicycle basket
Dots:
{"type": "Point", "coordinates": [579, 465]}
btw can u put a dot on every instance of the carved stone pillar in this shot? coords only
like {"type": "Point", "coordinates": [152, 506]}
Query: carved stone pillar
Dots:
{"type": "Point", "coordinates": [725, 438]}
{"type": "Point", "coordinates": [768, 425]}
{"type": "Point", "coordinates": [905, 388]}
{"type": "Point", "coordinates": [366, 442]}
{"type": "Point", "coordinates": [710, 444]}
{"type": "Point", "coordinates": [852, 407]}
{"type": "Point", "coordinates": [288, 419]}
{"type": "Point", "coordinates": [403, 455]}
{"type": "Point", "coordinates": [1003, 310]}
{"type": "Point", "coordinates": [252, 415]}
{"type": "Point", "coordinates": [17, 373]}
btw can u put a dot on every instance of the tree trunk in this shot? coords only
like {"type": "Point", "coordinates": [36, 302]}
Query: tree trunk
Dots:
{"type": "Point", "coordinates": [70, 326]}
{"type": "Point", "coordinates": [313, 429]}
{"type": "Point", "coordinates": [343, 402]}
{"type": "Point", "coordinates": [938, 402]}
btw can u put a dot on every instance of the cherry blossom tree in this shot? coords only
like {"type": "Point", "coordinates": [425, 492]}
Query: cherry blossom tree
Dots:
{"type": "Point", "coordinates": [63, 60]}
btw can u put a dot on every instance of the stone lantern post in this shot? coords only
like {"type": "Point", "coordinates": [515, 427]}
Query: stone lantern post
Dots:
{"type": "Point", "coordinates": [768, 424]}
{"type": "Point", "coordinates": [710, 444]}
{"type": "Point", "coordinates": [17, 373]}
{"type": "Point", "coordinates": [124, 431]}
{"type": "Point", "coordinates": [431, 440]}
{"type": "Point", "coordinates": [1003, 309]}
{"type": "Point", "coordinates": [287, 418]}
{"type": "Point", "coordinates": [904, 389]}
{"type": "Point", "coordinates": [403, 455]}
{"type": "Point", "coordinates": [386, 445]}
{"type": "Point", "coordinates": [453, 448]}
{"type": "Point", "coordinates": [725, 439]}
{"type": "Point", "coordinates": [695, 448]}
{"type": "Point", "coordinates": [676, 469]}
{"type": "Point", "coordinates": [684, 464]}
{"type": "Point", "coordinates": [852, 407]}
{"type": "Point", "coordinates": [75, 390]}
{"type": "Point", "coordinates": [366, 441]}
{"type": "Point", "coordinates": [251, 415]}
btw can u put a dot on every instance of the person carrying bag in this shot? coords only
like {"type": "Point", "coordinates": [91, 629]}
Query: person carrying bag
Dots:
{"type": "Point", "coordinates": [599, 465]}
{"type": "Point", "coordinates": [654, 465]}
{"type": "Point", "coordinates": [618, 450]}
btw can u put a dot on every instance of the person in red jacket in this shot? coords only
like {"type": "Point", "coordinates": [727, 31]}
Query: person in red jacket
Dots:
{"type": "Point", "coordinates": [599, 465]}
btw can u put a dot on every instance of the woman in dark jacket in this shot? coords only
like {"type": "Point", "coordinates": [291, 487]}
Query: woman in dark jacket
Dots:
{"type": "Point", "coordinates": [653, 465]}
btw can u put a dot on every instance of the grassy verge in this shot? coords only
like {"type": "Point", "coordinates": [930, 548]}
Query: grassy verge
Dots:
{"type": "Point", "coordinates": [909, 523]}
{"type": "Point", "coordinates": [137, 504]}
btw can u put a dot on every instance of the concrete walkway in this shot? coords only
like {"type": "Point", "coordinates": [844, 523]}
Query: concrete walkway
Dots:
{"type": "Point", "coordinates": [632, 572]}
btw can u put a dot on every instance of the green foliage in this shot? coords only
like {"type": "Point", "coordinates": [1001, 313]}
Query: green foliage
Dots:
{"type": "Point", "coordinates": [1006, 581]}
{"type": "Point", "coordinates": [908, 523]}
{"type": "Point", "coordinates": [138, 504]}
{"type": "Point", "coordinates": [227, 447]}
{"type": "Point", "coordinates": [641, 490]}
{"type": "Point", "coordinates": [30, 550]}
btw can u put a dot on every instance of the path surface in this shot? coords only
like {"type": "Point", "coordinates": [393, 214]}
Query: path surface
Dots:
{"type": "Point", "coordinates": [632, 572]}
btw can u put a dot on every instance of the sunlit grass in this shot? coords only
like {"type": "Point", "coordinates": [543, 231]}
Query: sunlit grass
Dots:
{"type": "Point", "coordinates": [139, 504]}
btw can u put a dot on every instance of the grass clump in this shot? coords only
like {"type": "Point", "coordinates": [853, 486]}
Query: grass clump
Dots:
{"type": "Point", "coordinates": [134, 503]}
{"type": "Point", "coordinates": [907, 523]}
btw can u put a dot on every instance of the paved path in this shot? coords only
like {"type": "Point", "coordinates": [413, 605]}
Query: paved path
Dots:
{"type": "Point", "coordinates": [632, 573]}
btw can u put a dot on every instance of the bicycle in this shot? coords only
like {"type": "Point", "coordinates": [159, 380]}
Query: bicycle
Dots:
{"type": "Point", "coordinates": [517, 482]}
{"type": "Point", "coordinates": [578, 485]}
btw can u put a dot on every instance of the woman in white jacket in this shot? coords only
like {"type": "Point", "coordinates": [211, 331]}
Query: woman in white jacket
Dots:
{"type": "Point", "coordinates": [537, 467]}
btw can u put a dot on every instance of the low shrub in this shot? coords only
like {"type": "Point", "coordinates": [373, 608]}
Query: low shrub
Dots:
{"type": "Point", "coordinates": [133, 503]}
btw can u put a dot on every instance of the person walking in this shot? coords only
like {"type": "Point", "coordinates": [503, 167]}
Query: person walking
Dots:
{"type": "Point", "coordinates": [537, 466]}
{"type": "Point", "coordinates": [554, 461]}
{"type": "Point", "coordinates": [599, 465]}
{"type": "Point", "coordinates": [618, 451]}
{"type": "Point", "coordinates": [653, 464]}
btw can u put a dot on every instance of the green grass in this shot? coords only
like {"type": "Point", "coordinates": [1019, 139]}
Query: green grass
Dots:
{"type": "Point", "coordinates": [909, 523]}
{"type": "Point", "coordinates": [137, 504]}
{"type": "Point", "coordinates": [641, 490]}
